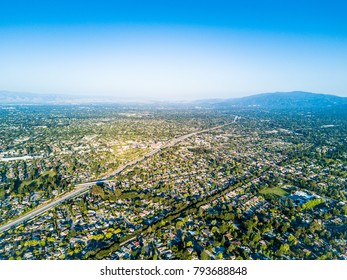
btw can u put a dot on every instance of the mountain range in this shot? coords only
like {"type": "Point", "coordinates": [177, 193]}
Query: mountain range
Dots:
{"type": "Point", "coordinates": [280, 100]}
{"type": "Point", "coordinates": [275, 100]}
{"type": "Point", "coordinates": [24, 98]}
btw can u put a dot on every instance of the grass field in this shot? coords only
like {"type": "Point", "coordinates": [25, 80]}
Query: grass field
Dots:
{"type": "Point", "coordinates": [39, 180]}
{"type": "Point", "coordinates": [277, 191]}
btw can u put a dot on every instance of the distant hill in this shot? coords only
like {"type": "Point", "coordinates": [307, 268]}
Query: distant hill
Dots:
{"type": "Point", "coordinates": [24, 98]}
{"type": "Point", "coordinates": [9, 97]}
{"type": "Point", "coordinates": [286, 100]}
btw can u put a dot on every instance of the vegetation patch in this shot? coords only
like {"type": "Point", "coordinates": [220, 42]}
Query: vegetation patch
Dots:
{"type": "Point", "coordinates": [276, 190]}
{"type": "Point", "coordinates": [312, 203]}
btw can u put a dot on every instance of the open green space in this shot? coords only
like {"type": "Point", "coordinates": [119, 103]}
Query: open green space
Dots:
{"type": "Point", "coordinates": [276, 190]}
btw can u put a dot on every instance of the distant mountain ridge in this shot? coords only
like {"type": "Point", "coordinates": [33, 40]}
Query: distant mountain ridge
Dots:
{"type": "Point", "coordinates": [287, 100]}
{"type": "Point", "coordinates": [24, 98]}
{"type": "Point", "coordinates": [291, 99]}
{"type": "Point", "coordinates": [275, 100]}
{"type": "Point", "coordinates": [9, 97]}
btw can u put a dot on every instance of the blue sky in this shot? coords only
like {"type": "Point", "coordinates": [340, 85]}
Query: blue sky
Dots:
{"type": "Point", "coordinates": [173, 49]}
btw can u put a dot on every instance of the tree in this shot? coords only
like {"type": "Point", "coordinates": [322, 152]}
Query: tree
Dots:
{"type": "Point", "coordinates": [2, 194]}
{"type": "Point", "coordinates": [219, 256]}
{"type": "Point", "coordinates": [292, 240]}
{"type": "Point", "coordinates": [204, 256]}
{"type": "Point", "coordinates": [284, 249]}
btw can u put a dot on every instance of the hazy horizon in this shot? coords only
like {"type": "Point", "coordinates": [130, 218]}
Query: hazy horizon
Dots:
{"type": "Point", "coordinates": [115, 98]}
{"type": "Point", "coordinates": [184, 51]}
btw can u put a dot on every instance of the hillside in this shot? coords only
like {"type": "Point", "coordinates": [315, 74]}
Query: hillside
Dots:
{"type": "Point", "coordinates": [287, 100]}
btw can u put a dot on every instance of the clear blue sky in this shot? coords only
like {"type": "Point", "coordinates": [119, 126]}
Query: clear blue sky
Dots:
{"type": "Point", "coordinates": [173, 49]}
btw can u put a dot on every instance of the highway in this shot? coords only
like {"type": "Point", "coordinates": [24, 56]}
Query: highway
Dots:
{"type": "Point", "coordinates": [84, 187]}
{"type": "Point", "coordinates": [47, 206]}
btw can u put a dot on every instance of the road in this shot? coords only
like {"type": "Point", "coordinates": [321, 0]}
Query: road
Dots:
{"type": "Point", "coordinates": [46, 206]}
{"type": "Point", "coordinates": [84, 187]}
